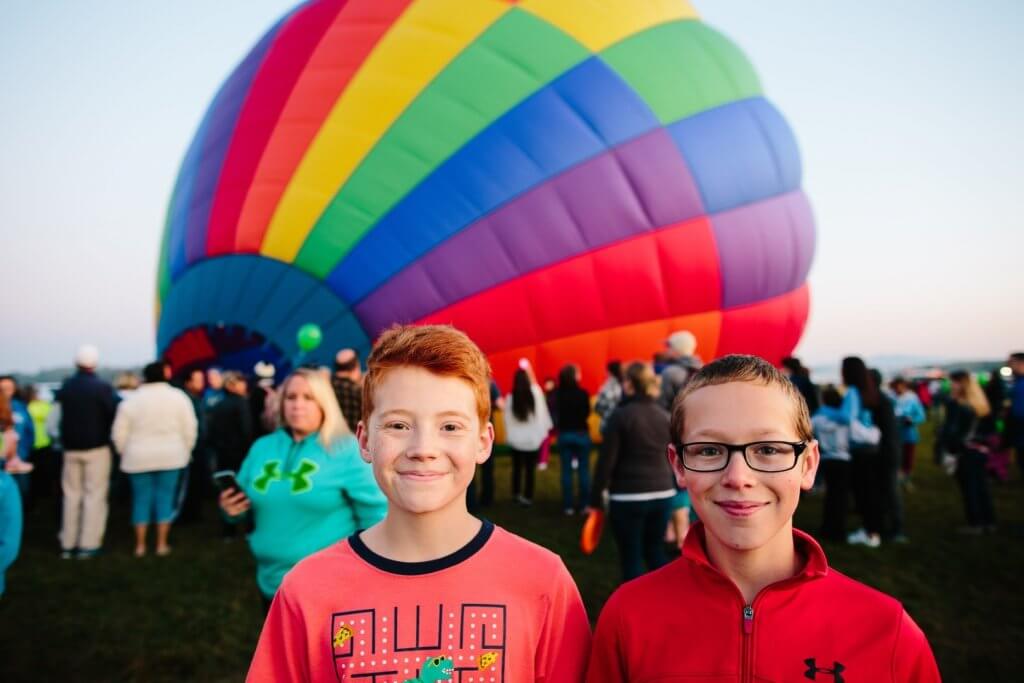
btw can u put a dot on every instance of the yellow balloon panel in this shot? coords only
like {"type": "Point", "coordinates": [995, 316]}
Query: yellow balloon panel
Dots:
{"type": "Point", "coordinates": [600, 23]}
{"type": "Point", "coordinates": [418, 47]}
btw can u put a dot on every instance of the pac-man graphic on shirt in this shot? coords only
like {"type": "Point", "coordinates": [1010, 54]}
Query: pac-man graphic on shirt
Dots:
{"type": "Point", "coordinates": [342, 636]}
{"type": "Point", "coordinates": [487, 659]}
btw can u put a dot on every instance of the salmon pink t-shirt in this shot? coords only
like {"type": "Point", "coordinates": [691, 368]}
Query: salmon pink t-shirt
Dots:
{"type": "Point", "coordinates": [504, 610]}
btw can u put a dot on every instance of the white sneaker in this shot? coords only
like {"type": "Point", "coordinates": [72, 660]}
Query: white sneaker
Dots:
{"type": "Point", "coordinates": [873, 541]}
{"type": "Point", "coordinates": [858, 537]}
{"type": "Point", "coordinates": [16, 465]}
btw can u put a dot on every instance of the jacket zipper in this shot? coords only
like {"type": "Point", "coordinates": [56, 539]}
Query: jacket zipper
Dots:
{"type": "Point", "coordinates": [746, 672]}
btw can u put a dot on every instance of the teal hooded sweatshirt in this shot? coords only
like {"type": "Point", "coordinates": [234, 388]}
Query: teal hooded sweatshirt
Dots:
{"type": "Point", "coordinates": [304, 498]}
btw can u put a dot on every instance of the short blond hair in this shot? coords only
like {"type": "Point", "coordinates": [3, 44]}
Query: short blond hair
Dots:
{"type": "Point", "coordinates": [740, 368]}
{"type": "Point", "coordinates": [334, 427]}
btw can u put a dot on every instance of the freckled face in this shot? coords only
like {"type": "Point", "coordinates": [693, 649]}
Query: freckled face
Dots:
{"type": "Point", "coordinates": [424, 439]}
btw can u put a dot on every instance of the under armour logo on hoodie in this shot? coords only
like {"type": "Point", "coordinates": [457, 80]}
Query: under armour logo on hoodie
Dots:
{"type": "Point", "coordinates": [301, 477]}
{"type": "Point", "coordinates": [812, 670]}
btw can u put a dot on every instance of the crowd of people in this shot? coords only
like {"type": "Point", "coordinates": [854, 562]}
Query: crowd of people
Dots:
{"type": "Point", "coordinates": [164, 442]}
{"type": "Point", "coordinates": [301, 465]}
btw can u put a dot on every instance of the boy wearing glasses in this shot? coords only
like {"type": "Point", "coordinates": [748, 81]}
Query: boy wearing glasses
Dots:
{"type": "Point", "coordinates": [751, 598]}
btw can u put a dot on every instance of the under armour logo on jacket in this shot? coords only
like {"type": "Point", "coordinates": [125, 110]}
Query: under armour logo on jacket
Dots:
{"type": "Point", "coordinates": [301, 477]}
{"type": "Point", "coordinates": [812, 670]}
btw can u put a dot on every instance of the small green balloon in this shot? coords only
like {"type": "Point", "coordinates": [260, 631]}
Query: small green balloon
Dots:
{"type": "Point", "coordinates": [309, 337]}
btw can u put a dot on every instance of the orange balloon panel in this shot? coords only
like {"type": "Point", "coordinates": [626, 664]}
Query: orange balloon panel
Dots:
{"type": "Point", "coordinates": [590, 351]}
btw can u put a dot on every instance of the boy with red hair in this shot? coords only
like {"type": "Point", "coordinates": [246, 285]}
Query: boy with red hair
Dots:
{"type": "Point", "coordinates": [751, 598]}
{"type": "Point", "coordinates": [430, 593]}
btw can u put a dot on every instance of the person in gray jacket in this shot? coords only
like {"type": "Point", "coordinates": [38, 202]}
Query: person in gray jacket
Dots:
{"type": "Point", "coordinates": [681, 349]}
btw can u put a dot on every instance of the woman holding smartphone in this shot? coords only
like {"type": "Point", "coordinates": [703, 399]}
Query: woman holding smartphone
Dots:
{"type": "Point", "coordinates": [304, 484]}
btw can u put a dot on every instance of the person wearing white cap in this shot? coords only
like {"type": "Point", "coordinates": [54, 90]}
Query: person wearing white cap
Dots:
{"type": "Point", "coordinates": [681, 347]}
{"type": "Point", "coordinates": [87, 406]}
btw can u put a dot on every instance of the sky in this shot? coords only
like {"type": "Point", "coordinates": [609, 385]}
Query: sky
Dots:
{"type": "Point", "coordinates": [909, 118]}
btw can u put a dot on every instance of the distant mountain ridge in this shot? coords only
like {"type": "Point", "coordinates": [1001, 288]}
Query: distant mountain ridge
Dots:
{"type": "Point", "coordinates": [891, 365]}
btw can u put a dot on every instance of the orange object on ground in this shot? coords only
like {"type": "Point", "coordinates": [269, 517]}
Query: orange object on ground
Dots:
{"type": "Point", "coordinates": [592, 529]}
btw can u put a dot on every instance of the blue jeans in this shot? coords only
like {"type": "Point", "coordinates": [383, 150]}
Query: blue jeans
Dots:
{"type": "Point", "coordinates": [574, 445]}
{"type": "Point", "coordinates": [639, 528]}
{"type": "Point", "coordinates": [154, 496]}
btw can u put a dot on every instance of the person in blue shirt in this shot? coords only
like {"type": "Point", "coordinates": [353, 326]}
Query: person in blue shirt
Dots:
{"type": "Point", "coordinates": [861, 398]}
{"type": "Point", "coordinates": [305, 485]}
{"type": "Point", "coordinates": [23, 426]}
{"type": "Point", "coordinates": [909, 414]}
{"type": "Point", "coordinates": [214, 391]}
{"type": "Point", "coordinates": [10, 522]}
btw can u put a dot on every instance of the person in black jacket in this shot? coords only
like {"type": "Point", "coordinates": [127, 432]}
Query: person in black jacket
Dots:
{"type": "Point", "coordinates": [633, 467]}
{"type": "Point", "coordinates": [571, 412]}
{"type": "Point", "coordinates": [230, 430]}
{"type": "Point", "coordinates": [962, 440]}
{"type": "Point", "coordinates": [87, 406]}
{"type": "Point", "coordinates": [888, 472]}
{"type": "Point", "coordinates": [194, 486]}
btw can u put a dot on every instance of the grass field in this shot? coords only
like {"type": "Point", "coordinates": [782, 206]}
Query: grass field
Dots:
{"type": "Point", "coordinates": [195, 616]}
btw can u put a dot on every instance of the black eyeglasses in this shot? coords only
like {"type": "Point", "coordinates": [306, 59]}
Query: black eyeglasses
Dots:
{"type": "Point", "coordinates": [760, 456]}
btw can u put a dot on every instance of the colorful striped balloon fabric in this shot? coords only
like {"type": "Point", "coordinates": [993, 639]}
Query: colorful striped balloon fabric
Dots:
{"type": "Point", "coordinates": [564, 180]}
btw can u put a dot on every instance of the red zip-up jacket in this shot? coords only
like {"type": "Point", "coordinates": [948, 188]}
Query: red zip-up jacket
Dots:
{"type": "Point", "coordinates": [688, 621]}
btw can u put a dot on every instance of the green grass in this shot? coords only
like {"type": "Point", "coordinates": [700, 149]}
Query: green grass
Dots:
{"type": "Point", "coordinates": [196, 616]}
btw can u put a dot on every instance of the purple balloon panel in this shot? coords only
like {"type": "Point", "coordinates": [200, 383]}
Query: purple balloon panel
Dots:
{"type": "Point", "coordinates": [764, 249]}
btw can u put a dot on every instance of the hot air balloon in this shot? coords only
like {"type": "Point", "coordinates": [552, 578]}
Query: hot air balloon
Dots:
{"type": "Point", "coordinates": [564, 180]}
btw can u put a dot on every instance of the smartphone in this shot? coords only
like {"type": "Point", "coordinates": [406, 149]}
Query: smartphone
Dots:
{"type": "Point", "coordinates": [225, 480]}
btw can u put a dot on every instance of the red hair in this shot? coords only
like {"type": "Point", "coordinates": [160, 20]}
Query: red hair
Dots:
{"type": "Point", "coordinates": [440, 349]}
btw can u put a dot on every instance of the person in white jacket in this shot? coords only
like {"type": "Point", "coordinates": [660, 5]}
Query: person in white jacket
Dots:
{"type": "Point", "coordinates": [527, 423]}
{"type": "Point", "coordinates": [154, 431]}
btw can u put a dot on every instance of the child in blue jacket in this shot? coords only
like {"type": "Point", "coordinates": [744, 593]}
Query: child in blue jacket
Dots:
{"type": "Point", "coordinates": [909, 414]}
